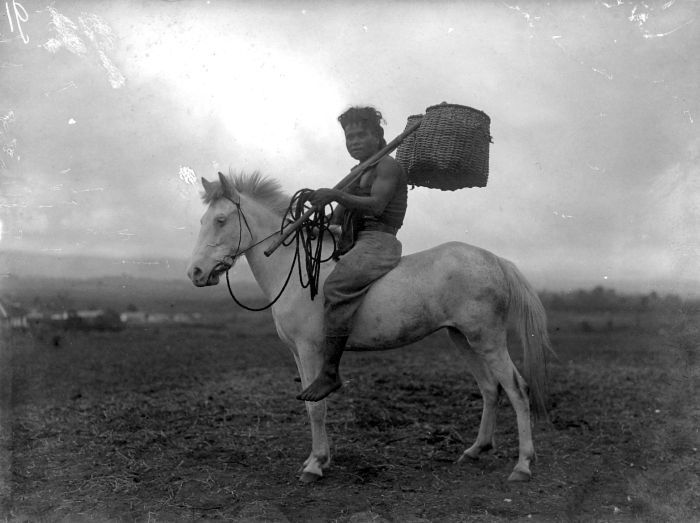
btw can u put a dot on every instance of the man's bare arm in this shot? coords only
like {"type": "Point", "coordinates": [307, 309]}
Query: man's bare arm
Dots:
{"type": "Point", "coordinates": [387, 176]}
{"type": "Point", "coordinates": [338, 213]}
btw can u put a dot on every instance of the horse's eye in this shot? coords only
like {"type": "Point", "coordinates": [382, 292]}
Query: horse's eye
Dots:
{"type": "Point", "coordinates": [221, 220]}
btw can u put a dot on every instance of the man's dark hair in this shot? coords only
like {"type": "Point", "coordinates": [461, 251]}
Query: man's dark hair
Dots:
{"type": "Point", "coordinates": [368, 117]}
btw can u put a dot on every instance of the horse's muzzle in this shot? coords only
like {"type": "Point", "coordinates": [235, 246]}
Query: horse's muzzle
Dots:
{"type": "Point", "coordinates": [203, 279]}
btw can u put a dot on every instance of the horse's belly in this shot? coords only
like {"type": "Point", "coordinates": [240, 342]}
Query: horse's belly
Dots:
{"type": "Point", "coordinates": [387, 339]}
{"type": "Point", "coordinates": [392, 316]}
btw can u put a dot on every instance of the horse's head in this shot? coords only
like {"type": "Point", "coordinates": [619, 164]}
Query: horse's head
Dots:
{"type": "Point", "coordinates": [224, 232]}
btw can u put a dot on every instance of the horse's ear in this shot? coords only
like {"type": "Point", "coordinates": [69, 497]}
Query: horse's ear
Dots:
{"type": "Point", "coordinates": [207, 185]}
{"type": "Point", "coordinates": [226, 185]}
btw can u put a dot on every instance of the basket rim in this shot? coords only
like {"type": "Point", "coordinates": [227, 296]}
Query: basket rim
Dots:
{"type": "Point", "coordinates": [460, 106]}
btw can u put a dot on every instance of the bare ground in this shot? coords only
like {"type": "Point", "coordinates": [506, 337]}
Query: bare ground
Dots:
{"type": "Point", "coordinates": [200, 423]}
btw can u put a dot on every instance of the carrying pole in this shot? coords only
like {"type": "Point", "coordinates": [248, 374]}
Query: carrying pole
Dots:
{"type": "Point", "coordinates": [354, 174]}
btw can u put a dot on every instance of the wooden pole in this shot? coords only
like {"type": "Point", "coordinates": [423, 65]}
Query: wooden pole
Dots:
{"type": "Point", "coordinates": [354, 174]}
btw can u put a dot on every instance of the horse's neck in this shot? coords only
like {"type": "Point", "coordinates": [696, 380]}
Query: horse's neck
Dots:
{"type": "Point", "coordinates": [270, 272]}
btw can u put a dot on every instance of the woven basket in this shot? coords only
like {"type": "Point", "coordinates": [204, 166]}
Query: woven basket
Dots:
{"type": "Point", "coordinates": [450, 149]}
{"type": "Point", "coordinates": [404, 154]}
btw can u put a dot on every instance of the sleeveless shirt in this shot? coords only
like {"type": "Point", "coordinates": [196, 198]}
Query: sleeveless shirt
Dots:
{"type": "Point", "coordinates": [395, 210]}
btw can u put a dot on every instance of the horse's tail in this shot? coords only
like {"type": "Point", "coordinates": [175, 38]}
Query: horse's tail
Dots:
{"type": "Point", "coordinates": [530, 318]}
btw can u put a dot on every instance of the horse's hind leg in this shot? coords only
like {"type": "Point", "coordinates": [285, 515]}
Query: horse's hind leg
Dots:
{"type": "Point", "coordinates": [489, 387]}
{"type": "Point", "coordinates": [492, 353]}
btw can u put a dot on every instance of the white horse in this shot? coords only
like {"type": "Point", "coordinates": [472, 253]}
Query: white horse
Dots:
{"type": "Point", "coordinates": [464, 289]}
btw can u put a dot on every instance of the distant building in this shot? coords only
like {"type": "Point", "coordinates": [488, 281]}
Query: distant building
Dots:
{"type": "Point", "coordinates": [4, 317]}
{"type": "Point", "coordinates": [90, 314]}
{"type": "Point", "coordinates": [159, 317]}
{"type": "Point", "coordinates": [140, 317]}
{"type": "Point", "coordinates": [97, 319]}
{"type": "Point", "coordinates": [13, 316]}
{"type": "Point", "coordinates": [181, 317]}
{"type": "Point", "coordinates": [35, 317]}
{"type": "Point", "coordinates": [134, 317]}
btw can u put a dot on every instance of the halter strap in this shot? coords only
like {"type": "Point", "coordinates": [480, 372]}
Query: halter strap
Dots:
{"type": "Point", "coordinates": [242, 219]}
{"type": "Point", "coordinates": [313, 255]}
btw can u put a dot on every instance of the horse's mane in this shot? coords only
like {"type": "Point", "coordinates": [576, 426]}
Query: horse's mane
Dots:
{"type": "Point", "coordinates": [264, 190]}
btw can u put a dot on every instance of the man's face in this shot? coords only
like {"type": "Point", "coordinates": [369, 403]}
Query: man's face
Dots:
{"type": "Point", "coordinates": [360, 141]}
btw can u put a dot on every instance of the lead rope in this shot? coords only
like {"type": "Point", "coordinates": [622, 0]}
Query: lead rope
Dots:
{"type": "Point", "coordinates": [253, 309]}
{"type": "Point", "coordinates": [312, 230]}
{"type": "Point", "coordinates": [310, 236]}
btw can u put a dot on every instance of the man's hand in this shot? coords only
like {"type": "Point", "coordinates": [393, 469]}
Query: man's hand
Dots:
{"type": "Point", "coordinates": [322, 197]}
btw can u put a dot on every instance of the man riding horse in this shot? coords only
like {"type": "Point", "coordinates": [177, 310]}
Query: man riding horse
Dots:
{"type": "Point", "coordinates": [467, 291]}
{"type": "Point", "coordinates": [371, 212]}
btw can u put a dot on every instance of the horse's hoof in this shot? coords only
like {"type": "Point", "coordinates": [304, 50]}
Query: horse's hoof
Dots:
{"type": "Point", "coordinates": [309, 477]}
{"type": "Point", "coordinates": [471, 456]}
{"type": "Point", "coordinates": [519, 475]}
{"type": "Point", "coordinates": [474, 451]}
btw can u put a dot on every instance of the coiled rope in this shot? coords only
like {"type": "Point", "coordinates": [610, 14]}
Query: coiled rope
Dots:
{"type": "Point", "coordinates": [309, 237]}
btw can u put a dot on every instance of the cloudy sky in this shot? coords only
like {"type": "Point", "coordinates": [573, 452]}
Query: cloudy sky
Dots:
{"type": "Point", "coordinates": [107, 107]}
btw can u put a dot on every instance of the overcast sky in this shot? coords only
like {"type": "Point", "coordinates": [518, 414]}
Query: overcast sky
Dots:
{"type": "Point", "coordinates": [106, 106]}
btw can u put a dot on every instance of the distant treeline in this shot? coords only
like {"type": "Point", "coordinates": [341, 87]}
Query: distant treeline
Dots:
{"type": "Point", "coordinates": [602, 299]}
{"type": "Point", "coordinates": [118, 293]}
{"type": "Point", "coordinates": [127, 293]}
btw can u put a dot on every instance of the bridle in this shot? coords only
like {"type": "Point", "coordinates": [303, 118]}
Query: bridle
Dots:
{"type": "Point", "coordinates": [312, 230]}
{"type": "Point", "coordinates": [241, 220]}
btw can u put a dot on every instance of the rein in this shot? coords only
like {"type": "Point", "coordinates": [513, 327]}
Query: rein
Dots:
{"type": "Point", "coordinates": [312, 230]}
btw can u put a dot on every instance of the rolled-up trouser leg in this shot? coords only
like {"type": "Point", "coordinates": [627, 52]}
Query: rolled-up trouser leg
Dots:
{"type": "Point", "coordinates": [374, 254]}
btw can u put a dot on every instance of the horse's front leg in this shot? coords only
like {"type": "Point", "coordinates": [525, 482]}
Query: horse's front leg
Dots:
{"type": "Point", "coordinates": [309, 361]}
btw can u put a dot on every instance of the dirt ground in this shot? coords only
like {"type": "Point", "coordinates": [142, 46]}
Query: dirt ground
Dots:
{"type": "Point", "coordinates": [181, 423]}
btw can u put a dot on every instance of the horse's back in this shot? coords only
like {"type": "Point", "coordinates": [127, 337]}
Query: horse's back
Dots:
{"type": "Point", "coordinates": [455, 255]}
{"type": "Point", "coordinates": [445, 265]}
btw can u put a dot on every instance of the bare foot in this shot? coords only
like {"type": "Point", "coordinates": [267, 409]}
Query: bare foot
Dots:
{"type": "Point", "coordinates": [321, 387]}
